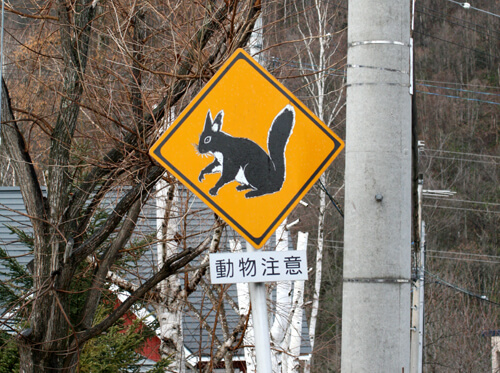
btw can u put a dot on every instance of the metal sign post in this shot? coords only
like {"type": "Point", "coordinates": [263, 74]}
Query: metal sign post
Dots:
{"type": "Point", "coordinates": [258, 300]}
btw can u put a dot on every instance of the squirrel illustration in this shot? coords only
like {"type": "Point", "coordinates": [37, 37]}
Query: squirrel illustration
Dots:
{"type": "Point", "coordinates": [242, 160]}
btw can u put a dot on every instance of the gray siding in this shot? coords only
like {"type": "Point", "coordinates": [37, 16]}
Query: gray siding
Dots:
{"type": "Point", "coordinates": [13, 213]}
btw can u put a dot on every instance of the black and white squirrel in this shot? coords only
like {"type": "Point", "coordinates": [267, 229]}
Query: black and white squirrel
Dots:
{"type": "Point", "coordinates": [242, 160]}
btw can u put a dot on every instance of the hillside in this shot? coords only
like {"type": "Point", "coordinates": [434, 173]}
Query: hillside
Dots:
{"type": "Point", "coordinates": [457, 66]}
{"type": "Point", "coordinates": [457, 97]}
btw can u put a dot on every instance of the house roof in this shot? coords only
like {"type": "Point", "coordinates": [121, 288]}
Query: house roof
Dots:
{"type": "Point", "coordinates": [490, 333]}
{"type": "Point", "coordinates": [199, 220]}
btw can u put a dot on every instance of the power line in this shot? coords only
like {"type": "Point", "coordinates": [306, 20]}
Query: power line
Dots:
{"type": "Point", "coordinates": [462, 209]}
{"type": "Point", "coordinates": [460, 90]}
{"type": "Point", "coordinates": [465, 291]}
{"type": "Point", "coordinates": [464, 259]}
{"type": "Point", "coordinates": [462, 153]}
{"type": "Point", "coordinates": [337, 241]}
{"type": "Point", "coordinates": [457, 83]}
{"type": "Point", "coordinates": [464, 201]}
{"type": "Point", "coordinates": [468, 6]}
{"type": "Point", "coordinates": [462, 253]}
{"type": "Point", "coordinates": [305, 66]}
{"type": "Point", "coordinates": [447, 17]}
{"type": "Point", "coordinates": [331, 199]}
{"type": "Point", "coordinates": [479, 52]}
{"type": "Point", "coordinates": [459, 159]}
{"type": "Point", "coordinates": [462, 98]}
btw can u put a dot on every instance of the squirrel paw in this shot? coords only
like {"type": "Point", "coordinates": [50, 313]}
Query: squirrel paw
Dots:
{"type": "Point", "coordinates": [213, 191]}
{"type": "Point", "coordinates": [242, 187]}
{"type": "Point", "coordinates": [201, 177]}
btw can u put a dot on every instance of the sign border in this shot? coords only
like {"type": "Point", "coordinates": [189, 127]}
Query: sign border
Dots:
{"type": "Point", "coordinates": [240, 54]}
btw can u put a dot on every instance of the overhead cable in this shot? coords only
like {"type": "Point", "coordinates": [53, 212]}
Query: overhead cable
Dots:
{"type": "Point", "coordinates": [467, 5]}
{"type": "Point", "coordinates": [331, 199]}
{"type": "Point", "coordinates": [464, 259]}
{"type": "Point", "coordinates": [462, 153]}
{"type": "Point", "coordinates": [459, 89]}
{"type": "Point", "coordinates": [463, 209]}
{"type": "Point", "coordinates": [463, 253]}
{"type": "Point", "coordinates": [461, 98]}
{"type": "Point", "coordinates": [464, 201]}
{"type": "Point", "coordinates": [447, 17]}
{"type": "Point", "coordinates": [458, 83]}
{"type": "Point", "coordinates": [460, 159]}
{"type": "Point", "coordinates": [440, 281]}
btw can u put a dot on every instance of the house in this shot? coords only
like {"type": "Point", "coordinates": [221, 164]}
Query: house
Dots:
{"type": "Point", "coordinates": [198, 341]}
{"type": "Point", "coordinates": [494, 335]}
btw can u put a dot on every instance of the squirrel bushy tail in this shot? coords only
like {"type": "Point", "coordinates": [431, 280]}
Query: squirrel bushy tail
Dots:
{"type": "Point", "coordinates": [278, 136]}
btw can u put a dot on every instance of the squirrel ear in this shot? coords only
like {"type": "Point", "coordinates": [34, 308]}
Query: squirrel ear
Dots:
{"type": "Point", "coordinates": [217, 123]}
{"type": "Point", "coordinates": [208, 120]}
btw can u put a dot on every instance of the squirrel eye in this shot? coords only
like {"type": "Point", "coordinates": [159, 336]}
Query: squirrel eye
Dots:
{"type": "Point", "coordinates": [207, 139]}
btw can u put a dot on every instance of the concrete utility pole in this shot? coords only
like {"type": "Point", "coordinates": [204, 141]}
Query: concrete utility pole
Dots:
{"type": "Point", "coordinates": [377, 255]}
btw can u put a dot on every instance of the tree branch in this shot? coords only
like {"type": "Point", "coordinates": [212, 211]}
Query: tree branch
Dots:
{"type": "Point", "coordinates": [98, 173]}
{"type": "Point", "coordinates": [109, 256]}
{"type": "Point", "coordinates": [169, 268]}
{"type": "Point", "coordinates": [21, 161]}
{"type": "Point", "coordinates": [228, 344]}
{"type": "Point", "coordinates": [75, 55]}
{"type": "Point", "coordinates": [214, 246]}
{"type": "Point", "coordinates": [116, 216]}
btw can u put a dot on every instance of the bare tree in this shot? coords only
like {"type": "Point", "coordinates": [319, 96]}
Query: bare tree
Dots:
{"type": "Point", "coordinates": [112, 70]}
{"type": "Point", "coordinates": [320, 53]}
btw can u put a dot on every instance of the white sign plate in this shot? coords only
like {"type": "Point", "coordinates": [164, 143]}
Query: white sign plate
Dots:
{"type": "Point", "coordinates": [262, 266]}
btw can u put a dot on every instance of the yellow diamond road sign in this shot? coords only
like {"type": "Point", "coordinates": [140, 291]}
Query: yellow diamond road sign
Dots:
{"type": "Point", "coordinates": [248, 148]}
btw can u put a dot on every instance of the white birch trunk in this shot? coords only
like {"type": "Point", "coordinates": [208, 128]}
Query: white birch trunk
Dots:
{"type": "Point", "coordinates": [319, 91]}
{"type": "Point", "coordinates": [169, 314]}
{"type": "Point", "coordinates": [244, 308]}
{"type": "Point", "coordinates": [318, 273]}
{"type": "Point", "coordinates": [283, 305]}
{"type": "Point", "coordinates": [256, 41]}
{"type": "Point", "coordinates": [291, 362]}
